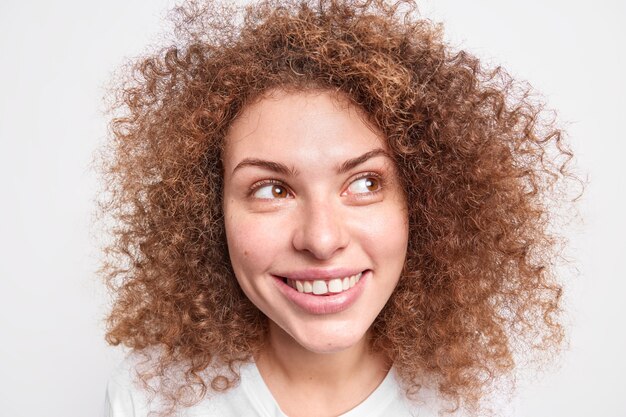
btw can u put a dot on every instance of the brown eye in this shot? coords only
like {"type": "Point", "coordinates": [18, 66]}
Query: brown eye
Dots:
{"type": "Point", "coordinates": [372, 184]}
{"type": "Point", "coordinates": [365, 185]}
{"type": "Point", "coordinates": [271, 191]}
{"type": "Point", "coordinates": [279, 192]}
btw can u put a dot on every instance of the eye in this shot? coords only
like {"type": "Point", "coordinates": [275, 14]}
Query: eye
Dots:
{"type": "Point", "coordinates": [364, 185]}
{"type": "Point", "coordinates": [271, 191]}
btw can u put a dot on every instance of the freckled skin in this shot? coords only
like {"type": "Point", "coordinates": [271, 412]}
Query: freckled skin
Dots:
{"type": "Point", "coordinates": [327, 219]}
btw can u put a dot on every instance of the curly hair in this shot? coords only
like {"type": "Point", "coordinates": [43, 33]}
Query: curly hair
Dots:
{"type": "Point", "coordinates": [477, 157]}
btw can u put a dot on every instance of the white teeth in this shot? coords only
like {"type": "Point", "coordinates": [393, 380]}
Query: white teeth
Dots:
{"type": "Point", "coordinates": [335, 285]}
{"type": "Point", "coordinates": [319, 287]}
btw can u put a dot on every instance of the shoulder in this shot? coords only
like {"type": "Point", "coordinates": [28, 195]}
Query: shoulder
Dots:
{"type": "Point", "coordinates": [428, 402]}
{"type": "Point", "coordinates": [125, 394]}
{"type": "Point", "coordinates": [128, 396]}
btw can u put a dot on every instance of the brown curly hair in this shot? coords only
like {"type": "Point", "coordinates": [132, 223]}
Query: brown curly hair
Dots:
{"type": "Point", "coordinates": [477, 157]}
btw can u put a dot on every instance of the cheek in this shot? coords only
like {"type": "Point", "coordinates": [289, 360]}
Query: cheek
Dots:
{"type": "Point", "coordinates": [386, 235]}
{"type": "Point", "coordinates": [254, 242]}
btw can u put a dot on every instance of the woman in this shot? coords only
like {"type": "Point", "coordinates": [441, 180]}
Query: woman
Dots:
{"type": "Point", "coordinates": [323, 211]}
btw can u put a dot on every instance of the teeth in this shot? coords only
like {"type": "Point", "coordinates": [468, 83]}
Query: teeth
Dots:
{"type": "Point", "coordinates": [335, 285]}
{"type": "Point", "coordinates": [320, 287]}
{"type": "Point", "coordinates": [345, 284]}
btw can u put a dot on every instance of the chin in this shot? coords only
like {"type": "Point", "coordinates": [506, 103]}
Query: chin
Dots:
{"type": "Point", "coordinates": [330, 341]}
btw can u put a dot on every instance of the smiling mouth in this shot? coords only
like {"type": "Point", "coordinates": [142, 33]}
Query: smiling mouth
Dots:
{"type": "Point", "coordinates": [324, 287]}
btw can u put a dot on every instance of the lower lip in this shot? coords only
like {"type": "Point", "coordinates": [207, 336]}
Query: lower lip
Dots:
{"type": "Point", "coordinates": [323, 304]}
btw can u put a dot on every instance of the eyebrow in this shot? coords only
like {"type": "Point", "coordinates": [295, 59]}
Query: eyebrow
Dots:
{"type": "Point", "coordinates": [285, 170]}
{"type": "Point", "coordinates": [268, 165]}
{"type": "Point", "coordinates": [354, 162]}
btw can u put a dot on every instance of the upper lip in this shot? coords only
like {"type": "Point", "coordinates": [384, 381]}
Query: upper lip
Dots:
{"type": "Point", "coordinates": [311, 274]}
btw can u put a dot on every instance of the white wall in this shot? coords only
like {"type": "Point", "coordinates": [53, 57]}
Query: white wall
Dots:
{"type": "Point", "coordinates": [55, 59]}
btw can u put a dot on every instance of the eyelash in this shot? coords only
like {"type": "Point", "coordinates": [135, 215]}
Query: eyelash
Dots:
{"type": "Point", "coordinates": [259, 184]}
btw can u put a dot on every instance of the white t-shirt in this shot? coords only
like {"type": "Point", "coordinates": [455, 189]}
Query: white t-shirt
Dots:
{"type": "Point", "coordinates": [251, 397]}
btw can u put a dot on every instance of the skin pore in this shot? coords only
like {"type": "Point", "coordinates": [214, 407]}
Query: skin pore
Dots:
{"type": "Point", "coordinates": [311, 196]}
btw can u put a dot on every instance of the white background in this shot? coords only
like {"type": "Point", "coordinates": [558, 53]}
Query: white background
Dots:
{"type": "Point", "coordinates": [55, 60]}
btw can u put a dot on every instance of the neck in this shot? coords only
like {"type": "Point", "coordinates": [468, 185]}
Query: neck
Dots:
{"type": "Point", "coordinates": [306, 383]}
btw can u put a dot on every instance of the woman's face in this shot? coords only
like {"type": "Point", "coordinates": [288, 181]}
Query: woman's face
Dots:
{"type": "Point", "coordinates": [315, 216]}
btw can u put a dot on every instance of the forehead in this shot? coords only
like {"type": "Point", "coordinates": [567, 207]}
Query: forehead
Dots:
{"type": "Point", "coordinates": [298, 127]}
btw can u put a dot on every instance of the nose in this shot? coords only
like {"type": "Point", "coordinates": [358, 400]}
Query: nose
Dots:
{"type": "Point", "coordinates": [321, 231]}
